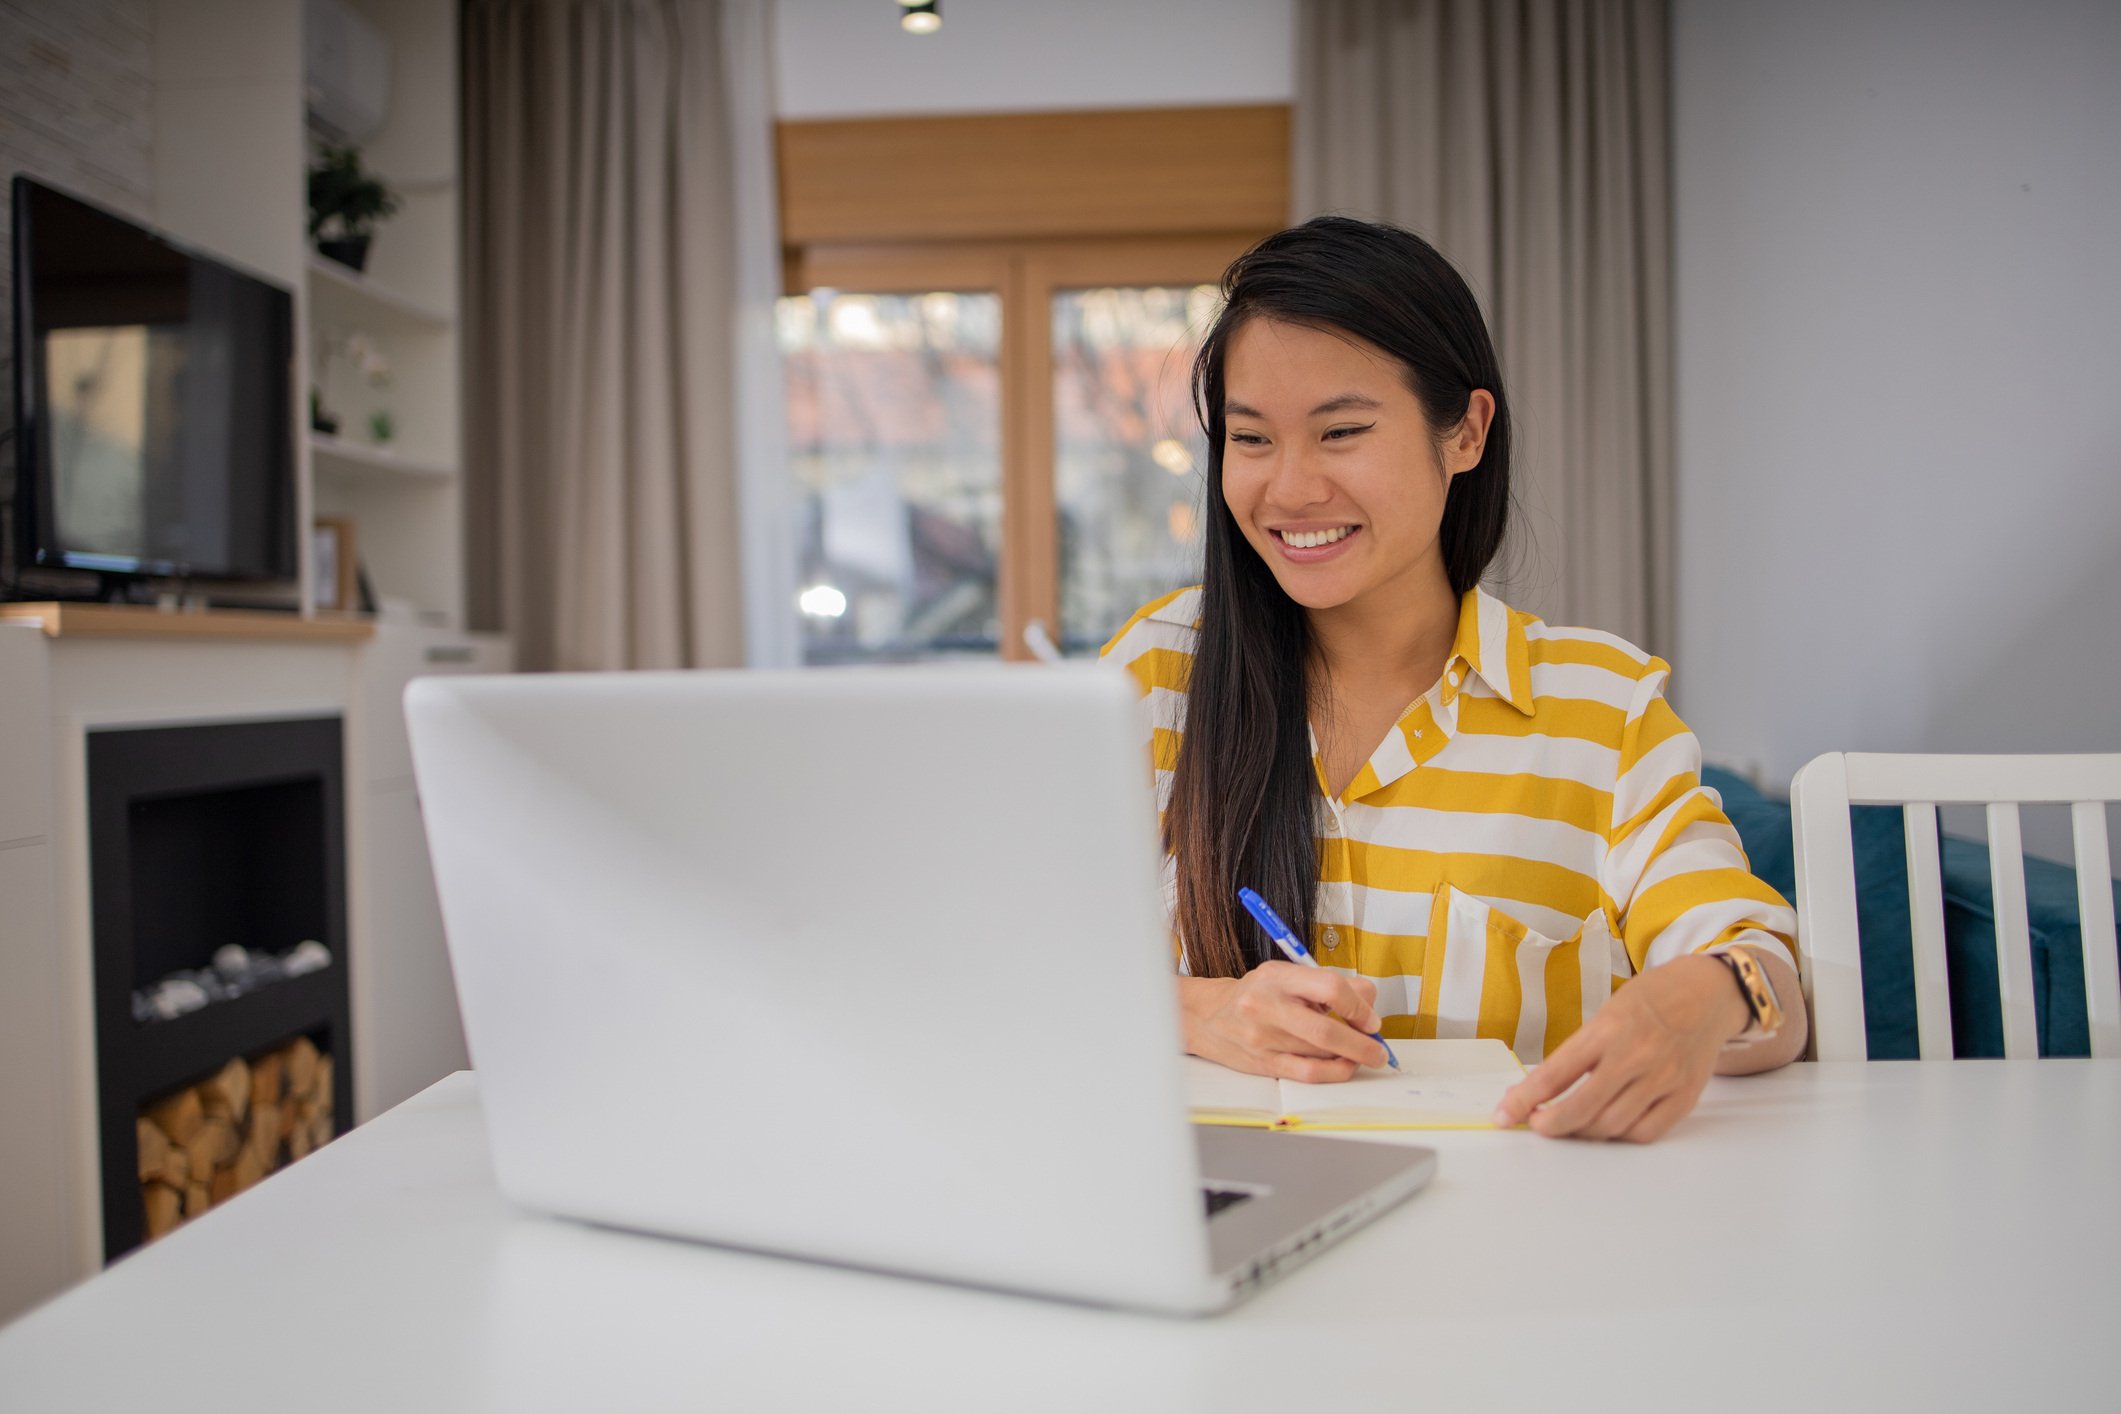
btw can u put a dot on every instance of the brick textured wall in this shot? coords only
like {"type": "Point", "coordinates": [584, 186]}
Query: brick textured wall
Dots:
{"type": "Point", "coordinates": [77, 109]}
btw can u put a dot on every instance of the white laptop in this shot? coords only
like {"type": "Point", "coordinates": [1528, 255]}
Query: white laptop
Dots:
{"type": "Point", "coordinates": [864, 966]}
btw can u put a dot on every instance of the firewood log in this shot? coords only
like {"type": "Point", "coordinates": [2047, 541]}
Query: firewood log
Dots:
{"type": "Point", "coordinates": [249, 1168]}
{"type": "Point", "coordinates": [153, 1145]}
{"type": "Point", "coordinates": [228, 1093]}
{"type": "Point", "coordinates": [222, 1186]}
{"type": "Point", "coordinates": [165, 1209]}
{"type": "Point", "coordinates": [197, 1199]}
{"type": "Point", "coordinates": [213, 1145]}
{"type": "Point", "coordinates": [301, 1065]}
{"type": "Point", "coordinates": [298, 1143]}
{"type": "Point", "coordinates": [265, 1080]}
{"type": "Point", "coordinates": [265, 1136]}
{"type": "Point", "coordinates": [176, 1168]}
{"type": "Point", "coordinates": [178, 1116]}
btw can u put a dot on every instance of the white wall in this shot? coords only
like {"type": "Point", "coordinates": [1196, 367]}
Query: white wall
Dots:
{"type": "Point", "coordinates": [847, 58]}
{"type": "Point", "coordinates": [1899, 354]}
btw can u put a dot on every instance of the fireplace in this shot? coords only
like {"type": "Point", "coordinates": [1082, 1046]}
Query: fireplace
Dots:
{"type": "Point", "coordinates": [202, 839]}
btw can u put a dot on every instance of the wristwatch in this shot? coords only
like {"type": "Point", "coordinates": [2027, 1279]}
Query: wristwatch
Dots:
{"type": "Point", "coordinates": [1758, 992]}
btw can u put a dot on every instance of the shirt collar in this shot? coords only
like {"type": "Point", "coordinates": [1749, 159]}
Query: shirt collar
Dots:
{"type": "Point", "coordinates": [1182, 608]}
{"type": "Point", "coordinates": [1491, 643]}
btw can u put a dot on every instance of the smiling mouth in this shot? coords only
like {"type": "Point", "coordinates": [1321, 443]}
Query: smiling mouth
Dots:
{"type": "Point", "coordinates": [1312, 539]}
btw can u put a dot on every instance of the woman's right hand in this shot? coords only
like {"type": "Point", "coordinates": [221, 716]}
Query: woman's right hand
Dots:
{"type": "Point", "coordinates": [1280, 1020]}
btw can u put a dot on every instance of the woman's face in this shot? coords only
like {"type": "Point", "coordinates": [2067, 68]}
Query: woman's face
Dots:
{"type": "Point", "coordinates": [1331, 468]}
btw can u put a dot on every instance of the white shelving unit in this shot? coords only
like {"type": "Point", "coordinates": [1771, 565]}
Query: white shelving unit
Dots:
{"type": "Point", "coordinates": [335, 456]}
{"type": "Point", "coordinates": [351, 294]}
{"type": "Point", "coordinates": [232, 153]}
{"type": "Point", "coordinates": [403, 493]}
{"type": "Point", "coordinates": [231, 159]}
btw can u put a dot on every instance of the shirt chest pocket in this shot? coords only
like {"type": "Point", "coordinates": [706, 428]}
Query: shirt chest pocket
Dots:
{"type": "Point", "coordinates": [1486, 973]}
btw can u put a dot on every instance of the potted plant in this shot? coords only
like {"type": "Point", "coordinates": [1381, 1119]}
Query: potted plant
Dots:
{"type": "Point", "coordinates": [348, 200]}
{"type": "Point", "coordinates": [361, 351]}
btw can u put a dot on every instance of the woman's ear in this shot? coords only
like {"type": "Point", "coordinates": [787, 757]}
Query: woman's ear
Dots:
{"type": "Point", "coordinates": [1465, 443]}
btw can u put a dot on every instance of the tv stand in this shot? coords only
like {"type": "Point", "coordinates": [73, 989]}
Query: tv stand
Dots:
{"type": "Point", "coordinates": [116, 587]}
{"type": "Point", "coordinates": [110, 587]}
{"type": "Point", "coordinates": [119, 589]}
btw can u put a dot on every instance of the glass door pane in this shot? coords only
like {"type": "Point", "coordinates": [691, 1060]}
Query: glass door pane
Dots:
{"type": "Point", "coordinates": [1128, 453]}
{"type": "Point", "coordinates": [894, 441]}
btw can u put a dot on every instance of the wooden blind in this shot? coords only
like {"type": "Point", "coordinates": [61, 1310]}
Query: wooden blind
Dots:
{"type": "Point", "coordinates": [1128, 172]}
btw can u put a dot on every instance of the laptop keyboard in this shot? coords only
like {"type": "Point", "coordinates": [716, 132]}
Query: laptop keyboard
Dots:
{"type": "Point", "coordinates": [1221, 1198]}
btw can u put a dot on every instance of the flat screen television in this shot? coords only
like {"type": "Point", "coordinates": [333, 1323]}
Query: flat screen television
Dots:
{"type": "Point", "coordinates": [154, 403]}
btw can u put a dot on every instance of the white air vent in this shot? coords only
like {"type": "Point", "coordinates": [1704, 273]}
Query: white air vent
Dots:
{"type": "Point", "coordinates": [346, 71]}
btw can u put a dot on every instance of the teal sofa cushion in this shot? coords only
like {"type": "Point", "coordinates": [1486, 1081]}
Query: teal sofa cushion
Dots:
{"type": "Point", "coordinates": [1970, 953]}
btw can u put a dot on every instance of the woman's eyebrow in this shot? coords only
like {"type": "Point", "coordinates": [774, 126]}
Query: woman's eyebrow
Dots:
{"type": "Point", "coordinates": [1346, 401]}
{"type": "Point", "coordinates": [1234, 408]}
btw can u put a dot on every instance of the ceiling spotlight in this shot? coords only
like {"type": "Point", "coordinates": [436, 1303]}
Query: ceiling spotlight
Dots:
{"type": "Point", "coordinates": [920, 16]}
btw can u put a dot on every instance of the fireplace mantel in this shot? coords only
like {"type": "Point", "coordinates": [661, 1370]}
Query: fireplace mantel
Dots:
{"type": "Point", "coordinates": [60, 620]}
{"type": "Point", "coordinates": [70, 671]}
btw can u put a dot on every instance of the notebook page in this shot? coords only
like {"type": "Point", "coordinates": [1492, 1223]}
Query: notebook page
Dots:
{"type": "Point", "coordinates": [1440, 1084]}
{"type": "Point", "coordinates": [1212, 1089]}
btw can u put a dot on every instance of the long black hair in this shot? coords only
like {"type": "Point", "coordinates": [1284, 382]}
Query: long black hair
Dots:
{"type": "Point", "coordinates": [1243, 795]}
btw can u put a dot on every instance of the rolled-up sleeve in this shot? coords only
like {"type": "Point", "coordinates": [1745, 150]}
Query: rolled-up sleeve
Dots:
{"type": "Point", "coordinates": [1675, 870]}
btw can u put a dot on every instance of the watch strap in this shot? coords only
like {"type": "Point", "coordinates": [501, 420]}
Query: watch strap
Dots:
{"type": "Point", "coordinates": [1759, 994]}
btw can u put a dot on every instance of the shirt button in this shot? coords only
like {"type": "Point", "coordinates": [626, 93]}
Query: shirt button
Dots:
{"type": "Point", "coordinates": [1455, 676]}
{"type": "Point", "coordinates": [1332, 823]}
{"type": "Point", "coordinates": [1332, 937]}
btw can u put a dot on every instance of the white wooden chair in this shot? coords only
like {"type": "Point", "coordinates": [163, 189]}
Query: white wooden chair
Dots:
{"type": "Point", "coordinates": [1828, 956]}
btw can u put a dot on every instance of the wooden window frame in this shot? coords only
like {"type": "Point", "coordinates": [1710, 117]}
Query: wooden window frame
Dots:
{"type": "Point", "coordinates": [1026, 206]}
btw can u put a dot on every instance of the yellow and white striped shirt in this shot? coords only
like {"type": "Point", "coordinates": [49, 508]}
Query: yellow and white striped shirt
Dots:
{"type": "Point", "coordinates": [1532, 833]}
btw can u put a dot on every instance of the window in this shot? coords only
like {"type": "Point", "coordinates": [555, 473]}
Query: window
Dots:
{"type": "Point", "coordinates": [1128, 454]}
{"type": "Point", "coordinates": [994, 450]}
{"type": "Point", "coordinates": [894, 444]}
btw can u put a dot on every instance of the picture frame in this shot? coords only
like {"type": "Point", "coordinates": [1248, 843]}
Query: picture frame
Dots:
{"type": "Point", "coordinates": [334, 564]}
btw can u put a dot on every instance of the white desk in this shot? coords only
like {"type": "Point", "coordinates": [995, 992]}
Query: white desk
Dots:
{"type": "Point", "coordinates": [1935, 1236]}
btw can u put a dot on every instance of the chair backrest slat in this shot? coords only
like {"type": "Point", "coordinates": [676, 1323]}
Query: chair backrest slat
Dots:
{"type": "Point", "coordinates": [2095, 923]}
{"type": "Point", "coordinates": [1925, 909]}
{"type": "Point", "coordinates": [1829, 957]}
{"type": "Point", "coordinates": [1829, 961]}
{"type": "Point", "coordinates": [2014, 934]}
{"type": "Point", "coordinates": [1876, 778]}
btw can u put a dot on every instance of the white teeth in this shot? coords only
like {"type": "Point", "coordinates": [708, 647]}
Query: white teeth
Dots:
{"type": "Point", "coordinates": [1312, 539]}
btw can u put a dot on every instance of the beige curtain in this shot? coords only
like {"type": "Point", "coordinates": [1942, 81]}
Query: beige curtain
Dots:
{"type": "Point", "coordinates": [1528, 140]}
{"type": "Point", "coordinates": [599, 253]}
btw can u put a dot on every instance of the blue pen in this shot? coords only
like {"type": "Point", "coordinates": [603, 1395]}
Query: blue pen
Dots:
{"type": "Point", "coordinates": [1268, 919]}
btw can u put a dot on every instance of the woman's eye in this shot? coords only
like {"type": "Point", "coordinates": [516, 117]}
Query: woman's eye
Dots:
{"type": "Point", "coordinates": [1248, 439]}
{"type": "Point", "coordinates": [1339, 434]}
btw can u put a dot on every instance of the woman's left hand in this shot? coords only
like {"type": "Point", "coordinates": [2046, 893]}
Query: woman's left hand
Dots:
{"type": "Point", "coordinates": [1643, 1057]}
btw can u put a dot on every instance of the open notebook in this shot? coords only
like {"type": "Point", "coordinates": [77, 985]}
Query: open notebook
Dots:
{"type": "Point", "coordinates": [1439, 1085]}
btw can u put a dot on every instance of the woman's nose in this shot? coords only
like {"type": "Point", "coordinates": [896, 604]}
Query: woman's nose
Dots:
{"type": "Point", "coordinates": [1295, 480]}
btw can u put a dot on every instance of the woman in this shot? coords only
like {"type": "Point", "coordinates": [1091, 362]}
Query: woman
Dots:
{"type": "Point", "coordinates": [1525, 851]}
